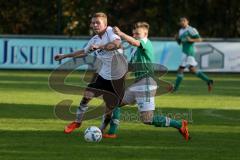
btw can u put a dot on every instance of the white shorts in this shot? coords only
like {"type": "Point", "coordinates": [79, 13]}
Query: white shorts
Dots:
{"type": "Point", "coordinates": [142, 93]}
{"type": "Point", "coordinates": [188, 61]}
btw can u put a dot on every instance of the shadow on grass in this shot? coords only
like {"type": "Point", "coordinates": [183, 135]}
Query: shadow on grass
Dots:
{"type": "Point", "coordinates": [129, 114]}
{"type": "Point", "coordinates": [134, 144]}
{"type": "Point", "coordinates": [224, 85]}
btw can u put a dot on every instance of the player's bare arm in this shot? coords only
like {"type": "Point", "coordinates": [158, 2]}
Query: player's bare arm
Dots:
{"type": "Point", "coordinates": [128, 38]}
{"type": "Point", "coordinates": [77, 54]}
{"type": "Point", "coordinates": [116, 44]}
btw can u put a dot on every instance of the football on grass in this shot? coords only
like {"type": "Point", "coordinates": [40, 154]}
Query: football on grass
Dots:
{"type": "Point", "coordinates": [93, 134]}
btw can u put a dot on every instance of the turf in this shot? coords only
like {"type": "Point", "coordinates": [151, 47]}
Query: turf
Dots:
{"type": "Point", "coordinates": [30, 130]}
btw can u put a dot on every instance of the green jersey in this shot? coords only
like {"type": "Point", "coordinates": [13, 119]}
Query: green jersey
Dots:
{"type": "Point", "coordinates": [188, 47]}
{"type": "Point", "coordinates": [143, 60]}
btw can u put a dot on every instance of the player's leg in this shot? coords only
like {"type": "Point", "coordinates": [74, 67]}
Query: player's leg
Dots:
{"type": "Point", "coordinates": [106, 118]}
{"type": "Point", "coordinates": [202, 76]}
{"type": "Point", "coordinates": [88, 95]}
{"type": "Point", "coordinates": [146, 106]}
{"type": "Point", "coordinates": [179, 78]}
{"type": "Point", "coordinates": [180, 72]}
{"type": "Point", "coordinates": [110, 100]}
{"type": "Point", "coordinates": [163, 121]}
{"type": "Point", "coordinates": [90, 92]}
{"type": "Point", "coordinates": [115, 119]}
{"type": "Point", "coordinates": [114, 122]}
{"type": "Point", "coordinates": [112, 114]}
{"type": "Point", "coordinates": [148, 117]}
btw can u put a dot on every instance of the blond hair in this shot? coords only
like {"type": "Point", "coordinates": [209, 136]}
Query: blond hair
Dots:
{"type": "Point", "coordinates": [100, 15]}
{"type": "Point", "coordinates": [143, 25]}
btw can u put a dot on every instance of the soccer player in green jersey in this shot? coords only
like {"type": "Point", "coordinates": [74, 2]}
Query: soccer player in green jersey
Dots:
{"type": "Point", "coordinates": [142, 91]}
{"type": "Point", "coordinates": [187, 37]}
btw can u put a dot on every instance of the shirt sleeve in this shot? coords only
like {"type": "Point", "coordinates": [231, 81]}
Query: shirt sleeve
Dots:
{"type": "Point", "coordinates": [86, 48]}
{"type": "Point", "coordinates": [111, 35]}
{"type": "Point", "coordinates": [194, 33]}
{"type": "Point", "coordinates": [142, 44]}
{"type": "Point", "coordinates": [179, 32]}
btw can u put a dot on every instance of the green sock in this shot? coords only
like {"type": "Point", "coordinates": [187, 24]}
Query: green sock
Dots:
{"type": "Point", "coordinates": [178, 81]}
{"type": "Point", "coordinates": [162, 121]}
{"type": "Point", "coordinates": [202, 76]}
{"type": "Point", "coordinates": [114, 121]}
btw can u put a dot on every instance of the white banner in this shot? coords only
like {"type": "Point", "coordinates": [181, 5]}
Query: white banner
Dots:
{"type": "Point", "coordinates": [218, 56]}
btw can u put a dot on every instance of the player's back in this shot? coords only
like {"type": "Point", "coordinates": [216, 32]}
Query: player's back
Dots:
{"type": "Point", "coordinates": [143, 59]}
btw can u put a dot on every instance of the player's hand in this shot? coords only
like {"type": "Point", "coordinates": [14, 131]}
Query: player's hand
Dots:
{"type": "Point", "coordinates": [94, 47]}
{"type": "Point", "coordinates": [59, 57]}
{"type": "Point", "coordinates": [117, 31]}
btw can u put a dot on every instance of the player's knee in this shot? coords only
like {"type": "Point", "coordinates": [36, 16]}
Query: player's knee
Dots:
{"type": "Point", "coordinates": [146, 117]}
{"type": "Point", "coordinates": [108, 115]}
{"type": "Point", "coordinates": [84, 101]}
{"type": "Point", "coordinates": [111, 101]}
{"type": "Point", "coordinates": [192, 69]}
{"type": "Point", "coordinates": [88, 94]}
{"type": "Point", "coordinates": [181, 70]}
{"type": "Point", "coordinates": [146, 120]}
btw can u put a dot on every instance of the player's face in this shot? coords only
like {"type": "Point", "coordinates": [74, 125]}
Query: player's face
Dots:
{"type": "Point", "coordinates": [139, 33]}
{"type": "Point", "coordinates": [183, 22]}
{"type": "Point", "coordinates": [134, 34]}
{"type": "Point", "coordinates": [98, 25]}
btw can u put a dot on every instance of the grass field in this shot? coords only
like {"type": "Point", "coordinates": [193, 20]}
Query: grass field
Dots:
{"type": "Point", "coordinates": [30, 131]}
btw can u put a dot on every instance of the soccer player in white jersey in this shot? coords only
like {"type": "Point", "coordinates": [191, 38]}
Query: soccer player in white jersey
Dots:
{"type": "Point", "coordinates": [107, 46]}
{"type": "Point", "coordinates": [187, 37]}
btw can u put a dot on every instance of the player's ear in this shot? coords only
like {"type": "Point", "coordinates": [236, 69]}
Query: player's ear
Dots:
{"type": "Point", "coordinates": [145, 34]}
{"type": "Point", "coordinates": [105, 23]}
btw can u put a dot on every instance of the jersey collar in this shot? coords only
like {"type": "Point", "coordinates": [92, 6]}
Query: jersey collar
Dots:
{"type": "Point", "coordinates": [103, 33]}
{"type": "Point", "coordinates": [144, 40]}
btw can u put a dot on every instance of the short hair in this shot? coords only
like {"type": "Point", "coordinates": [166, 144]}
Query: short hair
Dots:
{"type": "Point", "coordinates": [184, 17]}
{"type": "Point", "coordinates": [100, 15]}
{"type": "Point", "coordinates": [144, 25]}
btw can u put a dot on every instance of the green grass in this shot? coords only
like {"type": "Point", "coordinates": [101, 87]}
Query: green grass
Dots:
{"type": "Point", "coordinates": [29, 129]}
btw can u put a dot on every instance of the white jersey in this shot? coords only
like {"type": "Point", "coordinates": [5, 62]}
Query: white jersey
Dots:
{"type": "Point", "coordinates": [192, 31]}
{"type": "Point", "coordinates": [114, 64]}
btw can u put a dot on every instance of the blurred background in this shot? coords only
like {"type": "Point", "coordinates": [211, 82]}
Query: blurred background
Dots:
{"type": "Point", "coordinates": [213, 18]}
{"type": "Point", "coordinates": [32, 32]}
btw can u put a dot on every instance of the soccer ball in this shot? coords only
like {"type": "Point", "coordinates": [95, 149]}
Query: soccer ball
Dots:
{"type": "Point", "coordinates": [93, 134]}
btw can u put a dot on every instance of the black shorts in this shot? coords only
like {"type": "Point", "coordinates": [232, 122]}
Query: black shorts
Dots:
{"type": "Point", "coordinates": [109, 89]}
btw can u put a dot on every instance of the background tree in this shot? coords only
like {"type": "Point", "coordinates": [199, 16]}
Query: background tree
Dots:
{"type": "Point", "coordinates": [213, 18]}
